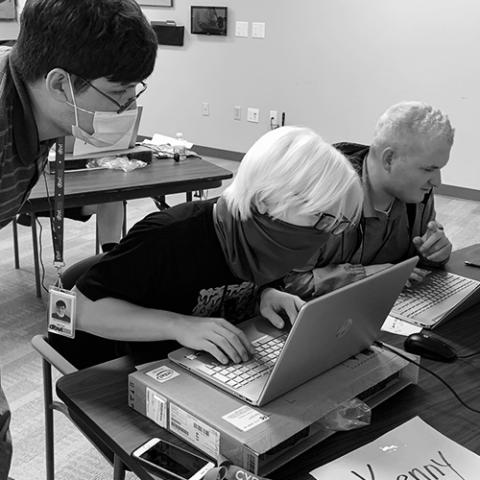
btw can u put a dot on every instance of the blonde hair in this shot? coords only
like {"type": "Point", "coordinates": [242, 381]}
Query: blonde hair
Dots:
{"type": "Point", "coordinates": [293, 167]}
{"type": "Point", "coordinates": [407, 120]}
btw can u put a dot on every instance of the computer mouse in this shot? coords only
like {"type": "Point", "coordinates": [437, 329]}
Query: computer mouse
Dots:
{"type": "Point", "coordinates": [428, 346]}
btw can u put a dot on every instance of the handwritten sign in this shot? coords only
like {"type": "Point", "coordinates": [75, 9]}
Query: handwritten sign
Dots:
{"type": "Point", "coordinates": [413, 451]}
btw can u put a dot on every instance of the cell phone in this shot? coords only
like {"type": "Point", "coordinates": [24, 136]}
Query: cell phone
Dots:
{"type": "Point", "coordinates": [164, 458]}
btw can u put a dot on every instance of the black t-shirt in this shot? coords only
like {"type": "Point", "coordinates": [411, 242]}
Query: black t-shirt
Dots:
{"type": "Point", "coordinates": [172, 260]}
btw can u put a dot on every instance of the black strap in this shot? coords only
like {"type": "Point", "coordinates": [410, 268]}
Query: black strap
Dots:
{"type": "Point", "coordinates": [56, 222]}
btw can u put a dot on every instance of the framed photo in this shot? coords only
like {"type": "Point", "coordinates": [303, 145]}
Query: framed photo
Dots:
{"type": "Point", "coordinates": [155, 3]}
{"type": "Point", "coordinates": [8, 10]}
{"type": "Point", "coordinates": [209, 20]}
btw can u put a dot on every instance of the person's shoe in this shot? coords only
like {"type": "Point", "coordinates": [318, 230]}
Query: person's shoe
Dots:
{"type": "Point", "coordinates": [24, 219]}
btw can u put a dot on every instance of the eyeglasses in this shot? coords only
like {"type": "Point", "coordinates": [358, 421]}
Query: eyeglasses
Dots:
{"type": "Point", "coordinates": [121, 108]}
{"type": "Point", "coordinates": [328, 223]}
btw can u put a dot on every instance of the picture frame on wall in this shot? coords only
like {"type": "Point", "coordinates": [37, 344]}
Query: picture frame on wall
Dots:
{"type": "Point", "coordinates": [209, 20]}
{"type": "Point", "coordinates": [8, 10]}
{"type": "Point", "coordinates": [155, 3]}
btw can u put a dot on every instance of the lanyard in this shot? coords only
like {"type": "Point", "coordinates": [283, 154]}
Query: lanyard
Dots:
{"type": "Point", "coordinates": [56, 222]}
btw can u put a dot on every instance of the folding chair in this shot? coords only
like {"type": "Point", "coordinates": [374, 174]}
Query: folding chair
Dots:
{"type": "Point", "coordinates": [52, 358]}
{"type": "Point", "coordinates": [35, 245]}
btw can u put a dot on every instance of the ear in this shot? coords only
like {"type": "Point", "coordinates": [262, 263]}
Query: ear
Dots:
{"type": "Point", "coordinates": [388, 158]}
{"type": "Point", "coordinates": [261, 206]}
{"type": "Point", "coordinates": [58, 86]}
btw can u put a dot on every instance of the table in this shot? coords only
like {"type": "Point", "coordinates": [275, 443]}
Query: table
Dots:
{"type": "Point", "coordinates": [161, 177]}
{"type": "Point", "coordinates": [98, 395]}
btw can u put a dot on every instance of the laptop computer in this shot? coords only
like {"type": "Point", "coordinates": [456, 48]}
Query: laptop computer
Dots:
{"type": "Point", "coordinates": [439, 297]}
{"type": "Point", "coordinates": [327, 331]}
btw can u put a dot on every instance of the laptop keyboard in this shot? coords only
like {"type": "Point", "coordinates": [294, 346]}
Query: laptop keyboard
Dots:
{"type": "Point", "coordinates": [413, 301]}
{"type": "Point", "coordinates": [237, 375]}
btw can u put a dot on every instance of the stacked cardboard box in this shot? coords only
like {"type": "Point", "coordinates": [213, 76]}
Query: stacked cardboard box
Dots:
{"type": "Point", "coordinates": [261, 439]}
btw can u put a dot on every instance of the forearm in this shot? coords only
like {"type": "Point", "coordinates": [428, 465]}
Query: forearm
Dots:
{"type": "Point", "coordinates": [320, 281]}
{"type": "Point", "coordinates": [120, 320]}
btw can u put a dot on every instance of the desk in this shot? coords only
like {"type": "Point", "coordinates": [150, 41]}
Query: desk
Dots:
{"type": "Point", "coordinates": [98, 395]}
{"type": "Point", "coordinates": [161, 177]}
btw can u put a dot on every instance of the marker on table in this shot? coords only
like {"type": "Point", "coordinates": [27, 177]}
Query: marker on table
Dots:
{"type": "Point", "coordinates": [472, 264]}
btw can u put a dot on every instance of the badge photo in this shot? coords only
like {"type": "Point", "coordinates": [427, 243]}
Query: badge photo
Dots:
{"type": "Point", "coordinates": [61, 312]}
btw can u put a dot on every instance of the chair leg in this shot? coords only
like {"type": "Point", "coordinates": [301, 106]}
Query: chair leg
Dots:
{"type": "Point", "coordinates": [47, 399]}
{"type": "Point", "coordinates": [15, 243]}
{"type": "Point", "coordinates": [97, 241]}
{"type": "Point", "coordinates": [36, 260]}
{"type": "Point", "coordinates": [189, 196]}
{"type": "Point", "coordinates": [118, 469]}
{"type": "Point", "coordinates": [124, 226]}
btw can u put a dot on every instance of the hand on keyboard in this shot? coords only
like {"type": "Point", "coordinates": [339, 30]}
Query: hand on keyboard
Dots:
{"type": "Point", "coordinates": [216, 336]}
{"type": "Point", "coordinates": [417, 276]}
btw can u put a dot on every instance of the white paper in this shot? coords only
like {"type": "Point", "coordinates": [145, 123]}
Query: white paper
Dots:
{"type": "Point", "coordinates": [394, 325]}
{"type": "Point", "coordinates": [412, 451]}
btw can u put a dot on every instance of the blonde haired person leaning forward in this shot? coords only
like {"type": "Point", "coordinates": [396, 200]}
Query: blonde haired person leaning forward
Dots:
{"type": "Point", "coordinates": [411, 144]}
{"type": "Point", "coordinates": [189, 273]}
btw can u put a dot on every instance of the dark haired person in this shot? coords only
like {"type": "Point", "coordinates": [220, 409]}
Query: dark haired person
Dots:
{"type": "Point", "coordinates": [76, 68]}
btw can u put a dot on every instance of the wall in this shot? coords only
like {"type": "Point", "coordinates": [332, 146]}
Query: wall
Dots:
{"type": "Point", "coordinates": [9, 30]}
{"type": "Point", "coordinates": [334, 65]}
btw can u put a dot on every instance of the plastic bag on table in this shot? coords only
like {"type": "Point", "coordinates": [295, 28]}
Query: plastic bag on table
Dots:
{"type": "Point", "coordinates": [116, 163]}
{"type": "Point", "coordinates": [349, 415]}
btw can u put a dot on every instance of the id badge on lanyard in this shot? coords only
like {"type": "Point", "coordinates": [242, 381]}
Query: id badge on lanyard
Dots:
{"type": "Point", "coordinates": [62, 303]}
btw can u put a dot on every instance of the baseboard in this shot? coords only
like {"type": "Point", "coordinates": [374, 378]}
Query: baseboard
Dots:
{"type": "Point", "coordinates": [461, 193]}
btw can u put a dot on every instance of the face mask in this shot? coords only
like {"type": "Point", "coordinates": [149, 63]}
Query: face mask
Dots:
{"type": "Point", "coordinates": [108, 127]}
{"type": "Point", "coordinates": [262, 249]}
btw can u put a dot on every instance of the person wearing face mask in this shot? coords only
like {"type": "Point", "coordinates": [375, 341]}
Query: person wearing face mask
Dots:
{"type": "Point", "coordinates": [411, 144]}
{"type": "Point", "coordinates": [189, 273]}
{"type": "Point", "coordinates": [77, 67]}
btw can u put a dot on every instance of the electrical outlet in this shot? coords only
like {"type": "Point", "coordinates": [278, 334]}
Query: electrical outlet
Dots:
{"type": "Point", "coordinates": [253, 115]}
{"type": "Point", "coordinates": [241, 29]}
{"type": "Point", "coordinates": [273, 119]}
{"type": "Point", "coordinates": [205, 109]}
{"type": "Point", "coordinates": [258, 30]}
{"type": "Point", "coordinates": [237, 113]}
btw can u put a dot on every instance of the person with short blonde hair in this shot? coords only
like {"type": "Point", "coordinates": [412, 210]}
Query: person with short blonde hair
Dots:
{"type": "Point", "coordinates": [411, 144]}
{"type": "Point", "coordinates": [190, 272]}
{"type": "Point", "coordinates": [297, 169]}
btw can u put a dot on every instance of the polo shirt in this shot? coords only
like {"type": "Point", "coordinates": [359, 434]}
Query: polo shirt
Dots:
{"type": "Point", "coordinates": [22, 155]}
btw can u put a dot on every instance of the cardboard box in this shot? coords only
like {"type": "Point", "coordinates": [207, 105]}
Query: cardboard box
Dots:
{"type": "Point", "coordinates": [261, 439]}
